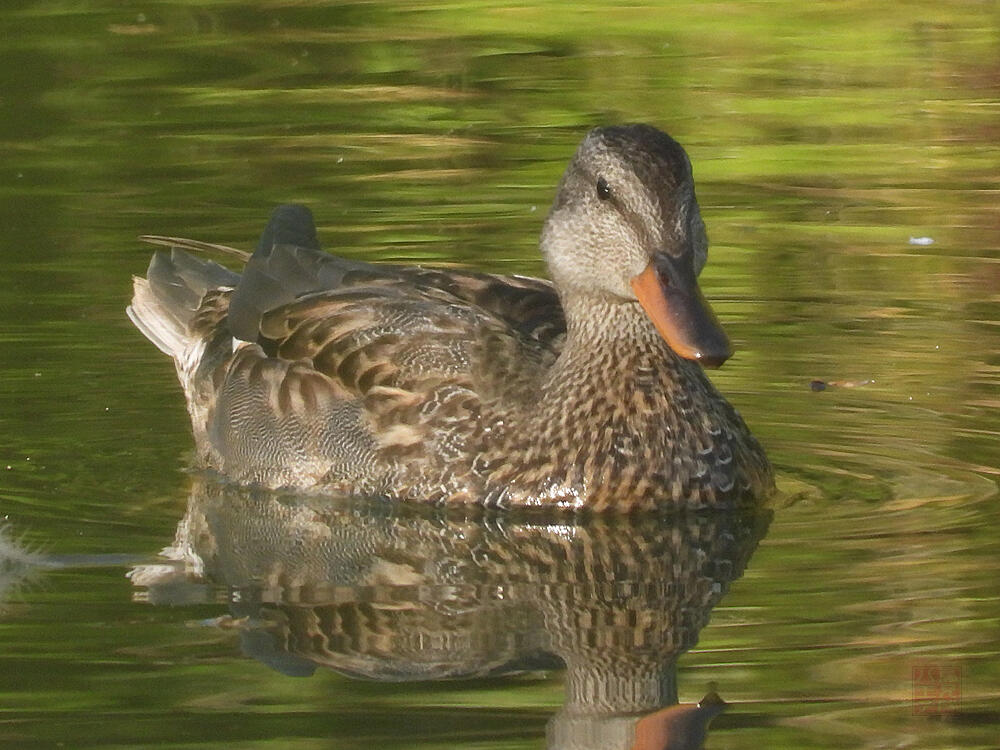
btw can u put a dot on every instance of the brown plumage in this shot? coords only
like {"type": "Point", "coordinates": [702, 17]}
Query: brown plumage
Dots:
{"type": "Point", "coordinates": [324, 374]}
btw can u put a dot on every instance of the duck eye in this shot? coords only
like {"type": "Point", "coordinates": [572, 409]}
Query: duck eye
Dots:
{"type": "Point", "coordinates": [603, 189]}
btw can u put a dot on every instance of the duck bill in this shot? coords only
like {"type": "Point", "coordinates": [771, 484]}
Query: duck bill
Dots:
{"type": "Point", "coordinates": [668, 292]}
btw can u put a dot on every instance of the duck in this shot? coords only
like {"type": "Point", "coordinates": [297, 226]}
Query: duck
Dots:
{"type": "Point", "coordinates": [320, 374]}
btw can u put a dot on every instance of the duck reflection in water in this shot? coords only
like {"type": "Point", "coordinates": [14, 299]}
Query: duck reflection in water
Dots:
{"type": "Point", "coordinates": [395, 593]}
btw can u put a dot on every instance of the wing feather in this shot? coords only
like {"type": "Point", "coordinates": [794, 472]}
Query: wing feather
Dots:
{"type": "Point", "coordinates": [354, 374]}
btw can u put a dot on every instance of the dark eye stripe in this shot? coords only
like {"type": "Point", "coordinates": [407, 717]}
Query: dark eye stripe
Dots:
{"type": "Point", "coordinates": [603, 189]}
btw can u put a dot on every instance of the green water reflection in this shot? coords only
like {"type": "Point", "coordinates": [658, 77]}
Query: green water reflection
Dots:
{"type": "Point", "coordinates": [823, 136]}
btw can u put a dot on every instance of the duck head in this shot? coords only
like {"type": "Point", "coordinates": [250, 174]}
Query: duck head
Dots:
{"type": "Point", "coordinates": [625, 224]}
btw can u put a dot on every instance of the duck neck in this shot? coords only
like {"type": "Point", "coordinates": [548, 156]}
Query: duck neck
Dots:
{"type": "Point", "coordinates": [615, 368]}
{"type": "Point", "coordinates": [609, 335]}
{"type": "Point", "coordinates": [615, 411]}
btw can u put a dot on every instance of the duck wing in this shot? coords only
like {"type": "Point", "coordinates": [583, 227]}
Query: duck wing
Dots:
{"type": "Point", "coordinates": [418, 329]}
{"type": "Point", "coordinates": [372, 385]}
{"type": "Point", "coordinates": [289, 264]}
{"type": "Point", "coordinates": [364, 377]}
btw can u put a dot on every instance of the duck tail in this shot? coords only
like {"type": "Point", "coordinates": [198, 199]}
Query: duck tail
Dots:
{"type": "Point", "coordinates": [165, 302]}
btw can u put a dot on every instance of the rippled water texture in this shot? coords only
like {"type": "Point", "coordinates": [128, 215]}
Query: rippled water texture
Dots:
{"type": "Point", "coordinates": [846, 161]}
